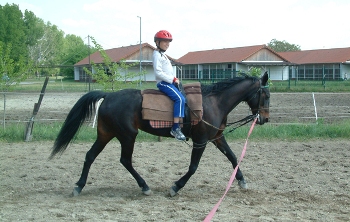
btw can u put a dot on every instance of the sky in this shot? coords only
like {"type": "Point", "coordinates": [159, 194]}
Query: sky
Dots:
{"type": "Point", "coordinates": [198, 25]}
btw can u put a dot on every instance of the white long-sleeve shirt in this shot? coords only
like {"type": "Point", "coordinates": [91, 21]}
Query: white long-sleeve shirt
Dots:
{"type": "Point", "coordinates": [162, 67]}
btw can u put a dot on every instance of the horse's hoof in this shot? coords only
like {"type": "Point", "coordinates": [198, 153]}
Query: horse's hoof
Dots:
{"type": "Point", "coordinates": [172, 191]}
{"type": "Point", "coordinates": [147, 192]}
{"type": "Point", "coordinates": [243, 184]}
{"type": "Point", "coordinates": [76, 191]}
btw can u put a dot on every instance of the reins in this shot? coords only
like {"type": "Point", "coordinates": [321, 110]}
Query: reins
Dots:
{"type": "Point", "coordinates": [244, 120]}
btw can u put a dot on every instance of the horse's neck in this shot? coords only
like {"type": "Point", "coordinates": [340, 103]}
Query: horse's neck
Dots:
{"type": "Point", "coordinates": [234, 95]}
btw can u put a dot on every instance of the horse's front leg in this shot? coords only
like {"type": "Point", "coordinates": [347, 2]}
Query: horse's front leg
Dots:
{"type": "Point", "coordinates": [222, 145]}
{"type": "Point", "coordinates": [196, 155]}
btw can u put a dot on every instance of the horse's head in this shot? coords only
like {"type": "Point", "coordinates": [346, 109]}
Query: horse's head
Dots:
{"type": "Point", "coordinates": [260, 102]}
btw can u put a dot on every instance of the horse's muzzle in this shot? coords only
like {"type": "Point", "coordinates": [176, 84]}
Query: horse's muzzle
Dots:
{"type": "Point", "coordinates": [261, 120]}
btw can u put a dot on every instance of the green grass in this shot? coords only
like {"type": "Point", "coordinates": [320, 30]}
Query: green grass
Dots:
{"type": "Point", "coordinates": [310, 86]}
{"type": "Point", "coordinates": [14, 132]}
{"type": "Point", "coordinates": [48, 132]}
{"type": "Point", "coordinates": [294, 131]}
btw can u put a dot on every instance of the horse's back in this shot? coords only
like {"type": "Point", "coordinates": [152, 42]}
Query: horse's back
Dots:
{"type": "Point", "coordinates": [123, 101]}
{"type": "Point", "coordinates": [121, 111]}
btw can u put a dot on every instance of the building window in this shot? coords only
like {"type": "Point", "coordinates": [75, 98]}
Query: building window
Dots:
{"type": "Point", "coordinates": [309, 72]}
{"type": "Point", "coordinates": [301, 72]}
{"type": "Point", "coordinates": [206, 71]}
{"type": "Point", "coordinates": [336, 71]}
{"type": "Point", "coordinates": [318, 72]}
{"type": "Point", "coordinates": [188, 72]}
{"type": "Point", "coordinates": [193, 74]}
{"type": "Point", "coordinates": [328, 72]}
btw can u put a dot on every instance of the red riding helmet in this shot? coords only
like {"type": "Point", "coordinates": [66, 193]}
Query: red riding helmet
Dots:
{"type": "Point", "coordinates": [163, 35]}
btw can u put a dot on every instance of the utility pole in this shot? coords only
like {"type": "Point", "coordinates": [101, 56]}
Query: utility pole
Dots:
{"type": "Point", "coordinates": [89, 61]}
{"type": "Point", "coordinates": [140, 52]}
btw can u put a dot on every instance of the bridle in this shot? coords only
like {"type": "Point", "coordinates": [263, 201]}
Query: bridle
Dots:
{"type": "Point", "coordinates": [242, 122]}
{"type": "Point", "coordinates": [259, 93]}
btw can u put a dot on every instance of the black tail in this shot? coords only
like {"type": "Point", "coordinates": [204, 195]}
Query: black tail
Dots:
{"type": "Point", "coordinates": [81, 111]}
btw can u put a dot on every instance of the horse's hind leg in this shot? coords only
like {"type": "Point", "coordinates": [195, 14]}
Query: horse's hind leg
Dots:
{"type": "Point", "coordinates": [222, 145]}
{"type": "Point", "coordinates": [127, 144]}
{"type": "Point", "coordinates": [90, 157]}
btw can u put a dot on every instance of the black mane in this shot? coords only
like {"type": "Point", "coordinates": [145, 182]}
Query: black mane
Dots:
{"type": "Point", "coordinates": [219, 87]}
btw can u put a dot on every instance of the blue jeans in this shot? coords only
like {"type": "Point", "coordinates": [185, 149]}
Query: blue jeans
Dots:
{"type": "Point", "coordinates": [175, 95]}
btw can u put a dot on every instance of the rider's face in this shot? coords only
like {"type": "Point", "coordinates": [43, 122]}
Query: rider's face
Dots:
{"type": "Point", "coordinates": [164, 44]}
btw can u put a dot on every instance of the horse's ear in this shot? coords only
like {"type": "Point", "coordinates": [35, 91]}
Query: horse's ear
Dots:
{"type": "Point", "coordinates": [264, 79]}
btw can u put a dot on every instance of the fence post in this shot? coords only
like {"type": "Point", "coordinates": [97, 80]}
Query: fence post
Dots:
{"type": "Point", "coordinates": [28, 134]}
{"type": "Point", "coordinates": [313, 98]}
{"type": "Point", "coordinates": [289, 80]}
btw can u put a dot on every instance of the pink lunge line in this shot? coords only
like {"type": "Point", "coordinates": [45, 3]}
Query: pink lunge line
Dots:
{"type": "Point", "coordinates": [215, 208]}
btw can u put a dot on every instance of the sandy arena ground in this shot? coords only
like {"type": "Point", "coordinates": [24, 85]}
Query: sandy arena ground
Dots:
{"type": "Point", "coordinates": [288, 180]}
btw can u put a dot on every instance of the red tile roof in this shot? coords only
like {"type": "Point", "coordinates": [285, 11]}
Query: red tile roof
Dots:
{"type": "Point", "coordinates": [223, 55]}
{"type": "Point", "coordinates": [337, 55]}
{"type": "Point", "coordinates": [117, 54]}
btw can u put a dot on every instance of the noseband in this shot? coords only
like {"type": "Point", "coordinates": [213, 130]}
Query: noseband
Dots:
{"type": "Point", "coordinates": [258, 92]}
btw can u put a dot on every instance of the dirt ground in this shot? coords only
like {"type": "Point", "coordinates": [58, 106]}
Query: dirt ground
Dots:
{"type": "Point", "coordinates": [288, 180]}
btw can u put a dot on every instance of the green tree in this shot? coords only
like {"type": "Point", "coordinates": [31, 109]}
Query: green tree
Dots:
{"type": "Point", "coordinates": [282, 46]}
{"type": "Point", "coordinates": [258, 72]}
{"type": "Point", "coordinates": [254, 71]}
{"type": "Point", "coordinates": [34, 28]}
{"type": "Point", "coordinates": [74, 50]}
{"type": "Point", "coordinates": [13, 30]}
{"type": "Point", "coordinates": [48, 49]}
{"type": "Point", "coordinates": [40, 43]}
{"type": "Point", "coordinates": [11, 72]}
{"type": "Point", "coordinates": [110, 74]}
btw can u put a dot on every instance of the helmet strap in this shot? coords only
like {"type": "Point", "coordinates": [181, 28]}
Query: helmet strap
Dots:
{"type": "Point", "coordinates": [158, 47]}
{"type": "Point", "coordinates": [160, 50]}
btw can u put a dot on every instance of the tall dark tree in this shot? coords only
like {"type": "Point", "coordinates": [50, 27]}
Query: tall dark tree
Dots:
{"type": "Point", "coordinates": [282, 46]}
{"type": "Point", "coordinates": [34, 28]}
{"type": "Point", "coordinates": [12, 30]}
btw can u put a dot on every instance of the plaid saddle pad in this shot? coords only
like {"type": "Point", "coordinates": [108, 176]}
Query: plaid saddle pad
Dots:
{"type": "Point", "coordinates": [158, 107]}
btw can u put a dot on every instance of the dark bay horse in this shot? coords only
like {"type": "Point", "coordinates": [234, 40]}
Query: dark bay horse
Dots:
{"type": "Point", "coordinates": [120, 116]}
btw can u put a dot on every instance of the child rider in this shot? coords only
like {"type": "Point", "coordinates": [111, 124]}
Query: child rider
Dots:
{"type": "Point", "coordinates": [166, 80]}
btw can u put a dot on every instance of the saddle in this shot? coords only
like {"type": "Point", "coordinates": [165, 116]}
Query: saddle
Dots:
{"type": "Point", "coordinates": [158, 107]}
